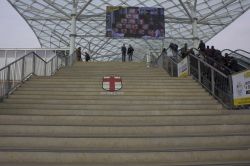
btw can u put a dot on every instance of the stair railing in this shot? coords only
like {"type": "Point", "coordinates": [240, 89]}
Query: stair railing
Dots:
{"type": "Point", "coordinates": [17, 72]}
{"type": "Point", "coordinates": [216, 82]}
{"type": "Point", "coordinates": [168, 59]}
{"type": "Point", "coordinates": [216, 78]}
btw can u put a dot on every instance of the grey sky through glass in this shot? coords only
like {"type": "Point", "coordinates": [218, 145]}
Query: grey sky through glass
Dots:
{"type": "Point", "coordinates": [15, 33]}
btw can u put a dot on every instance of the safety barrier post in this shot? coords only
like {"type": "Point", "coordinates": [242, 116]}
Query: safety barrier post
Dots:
{"type": "Point", "coordinates": [34, 64]}
{"type": "Point", "coordinates": [199, 70]}
{"type": "Point", "coordinates": [148, 60]}
{"type": "Point", "coordinates": [23, 66]}
{"type": "Point", "coordinates": [212, 81]}
{"type": "Point", "coordinates": [8, 79]}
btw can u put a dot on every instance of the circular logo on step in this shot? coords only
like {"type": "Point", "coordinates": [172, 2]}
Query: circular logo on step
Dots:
{"type": "Point", "coordinates": [112, 83]}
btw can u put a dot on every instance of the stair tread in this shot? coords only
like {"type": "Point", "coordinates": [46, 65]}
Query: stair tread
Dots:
{"type": "Point", "coordinates": [155, 120]}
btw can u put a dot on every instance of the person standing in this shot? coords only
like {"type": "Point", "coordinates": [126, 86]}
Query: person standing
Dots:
{"type": "Point", "coordinates": [130, 52]}
{"type": "Point", "coordinates": [87, 57]}
{"type": "Point", "coordinates": [78, 54]}
{"type": "Point", "coordinates": [202, 48]}
{"type": "Point", "coordinates": [124, 51]}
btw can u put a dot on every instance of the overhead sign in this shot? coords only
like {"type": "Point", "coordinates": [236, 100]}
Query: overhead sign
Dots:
{"type": "Point", "coordinates": [241, 88]}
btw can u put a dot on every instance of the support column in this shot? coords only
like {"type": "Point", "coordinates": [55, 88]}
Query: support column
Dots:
{"type": "Point", "coordinates": [73, 32]}
{"type": "Point", "coordinates": [195, 33]}
{"type": "Point", "coordinates": [194, 23]}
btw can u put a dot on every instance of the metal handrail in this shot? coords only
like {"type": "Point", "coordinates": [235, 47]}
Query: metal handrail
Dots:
{"type": "Point", "coordinates": [236, 52]}
{"type": "Point", "coordinates": [15, 61]}
{"type": "Point", "coordinates": [26, 56]}
{"type": "Point", "coordinates": [213, 61]}
{"type": "Point", "coordinates": [207, 64]}
{"type": "Point", "coordinates": [170, 64]}
{"type": "Point", "coordinates": [33, 49]}
{"type": "Point", "coordinates": [213, 80]}
{"type": "Point", "coordinates": [15, 73]}
{"type": "Point", "coordinates": [243, 60]}
{"type": "Point", "coordinates": [244, 51]}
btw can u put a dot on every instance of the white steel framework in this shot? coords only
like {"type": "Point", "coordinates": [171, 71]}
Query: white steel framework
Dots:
{"type": "Point", "coordinates": [74, 23]}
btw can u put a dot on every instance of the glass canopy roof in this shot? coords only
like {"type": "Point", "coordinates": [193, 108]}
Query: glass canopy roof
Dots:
{"type": "Point", "coordinates": [51, 22]}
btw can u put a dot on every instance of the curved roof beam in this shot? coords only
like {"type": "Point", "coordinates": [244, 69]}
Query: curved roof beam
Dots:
{"type": "Point", "coordinates": [84, 7]}
{"type": "Point", "coordinates": [186, 10]}
{"type": "Point", "coordinates": [216, 10]}
{"type": "Point", "coordinates": [49, 2]}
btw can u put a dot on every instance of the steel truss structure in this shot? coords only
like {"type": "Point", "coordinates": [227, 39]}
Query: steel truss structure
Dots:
{"type": "Point", "coordinates": [74, 23]}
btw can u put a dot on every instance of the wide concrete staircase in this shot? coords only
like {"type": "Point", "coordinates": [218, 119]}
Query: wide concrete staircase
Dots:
{"type": "Point", "coordinates": [155, 120]}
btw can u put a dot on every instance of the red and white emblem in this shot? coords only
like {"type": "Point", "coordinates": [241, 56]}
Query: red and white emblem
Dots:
{"type": "Point", "coordinates": [112, 83]}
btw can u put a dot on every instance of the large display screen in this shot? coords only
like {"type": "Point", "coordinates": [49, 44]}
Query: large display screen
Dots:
{"type": "Point", "coordinates": [136, 22]}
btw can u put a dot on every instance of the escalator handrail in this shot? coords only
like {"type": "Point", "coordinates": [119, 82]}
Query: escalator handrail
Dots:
{"type": "Point", "coordinates": [235, 52]}
{"type": "Point", "coordinates": [158, 57]}
{"type": "Point", "coordinates": [179, 59]}
{"type": "Point", "coordinates": [242, 51]}
{"type": "Point", "coordinates": [214, 61]}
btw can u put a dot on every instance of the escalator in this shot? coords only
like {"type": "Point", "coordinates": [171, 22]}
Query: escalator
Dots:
{"type": "Point", "coordinates": [242, 57]}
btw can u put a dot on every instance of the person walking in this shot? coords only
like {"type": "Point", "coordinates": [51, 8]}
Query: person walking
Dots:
{"type": "Point", "coordinates": [130, 52]}
{"type": "Point", "coordinates": [124, 51]}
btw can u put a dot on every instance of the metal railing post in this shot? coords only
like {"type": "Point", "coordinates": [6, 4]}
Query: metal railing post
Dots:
{"type": "Point", "coordinates": [172, 69]}
{"type": "Point", "coordinates": [66, 61]}
{"type": "Point", "coordinates": [188, 63]}
{"type": "Point", "coordinates": [199, 70]}
{"type": "Point", "coordinates": [51, 66]}
{"type": "Point", "coordinates": [45, 68]}
{"type": "Point", "coordinates": [212, 82]}
{"type": "Point", "coordinates": [56, 62]}
{"type": "Point", "coordinates": [23, 66]}
{"type": "Point", "coordinates": [148, 60]}
{"type": "Point", "coordinates": [8, 80]}
{"type": "Point", "coordinates": [230, 82]}
{"type": "Point", "coordinates": [34, 64]}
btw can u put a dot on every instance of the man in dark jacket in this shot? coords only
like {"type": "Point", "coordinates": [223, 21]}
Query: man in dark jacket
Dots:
{"type": "Point", "coordinates": [87, 57]}
{"type": "Point", "coordinates": [124, 51]}
{"type": "Point", "coordinates": [202, 46]}
{"type": "Point", "coordinates": [78, 54]}
{"type": "Point", "coordinates": [130, 52]}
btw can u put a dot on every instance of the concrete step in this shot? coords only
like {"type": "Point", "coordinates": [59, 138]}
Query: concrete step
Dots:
{"type": "Point", "coordinates": [168, 158]}
{"type": "Point", "coordinates": [124, 89]}
{"type": "Point", "coordinates": [110, 97]}
{"type": "Point", "coordinates": [188, 86]}
{"type": "Point", "coordinates": [123, 74]}
{"type": "Point", "coordinates": [142, 72]}
{"type": "Point", "coordinates": [64, 112]}
{"type": "Point", "coordinates": [91, 83]}
{"type": "Point", "coordinates": [113, 107]}
{"type": "Point", "coordinates": [118, 73]}
{"type": "Point", "coordinates": [109, 131]}
{"type": "Point", "coordinates": [124, 120]}
{"type": "Point", "coordinates": [210, 163]}
{"type": "Point", "coordinates": [131, 77]}
{"type": "Point", "coordinates": [108, 102]}
{"type": "Point", "coordinates": [121, 93]}
{"type": "Point", "coordinates": [124, 144]}
{"type": "Point", "coordinates": [128, 79]}
{"type": "Point", "coordinates": [109, 64]}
